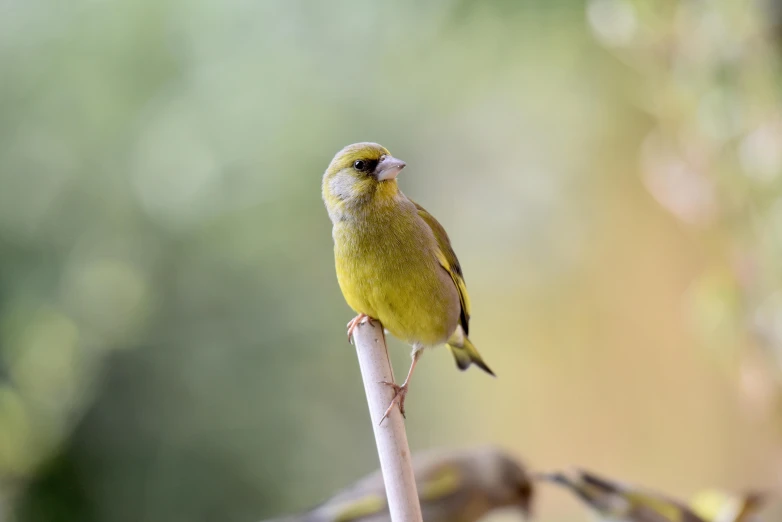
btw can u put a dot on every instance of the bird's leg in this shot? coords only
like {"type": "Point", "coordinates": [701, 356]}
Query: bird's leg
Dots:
{"type": "Point", "coordinates": [400, 392]}
{"type": "Point", "coordinates": [353, 324]}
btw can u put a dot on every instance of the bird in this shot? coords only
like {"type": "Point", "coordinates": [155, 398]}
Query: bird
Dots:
{"type": "Point", "coordinates": [394, 261]}
{"type": "Point", "coordinates": [617, 502]}
{"type": "Point", "coordinates": [719, 506]}
{"type": "Point", "coordinates": [453, 486]}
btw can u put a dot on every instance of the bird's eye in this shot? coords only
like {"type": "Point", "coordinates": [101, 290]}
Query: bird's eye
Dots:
{"type": "Point", "coordinates": [360, 165]}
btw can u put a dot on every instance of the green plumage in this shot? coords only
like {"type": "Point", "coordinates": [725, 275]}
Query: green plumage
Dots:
{"type": "Point", "coordinates": [394, 261]}
{"type": "Point", "coordinates": [453, 486]}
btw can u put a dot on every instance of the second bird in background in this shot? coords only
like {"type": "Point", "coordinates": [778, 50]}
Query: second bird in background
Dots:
{"type": "Point", "coordinates": [453, 486]}
{"type": "Point", "coordinates": [618, 502]}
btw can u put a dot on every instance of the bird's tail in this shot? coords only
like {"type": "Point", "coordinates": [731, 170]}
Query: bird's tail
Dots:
{"type": "Point", "coordinates": [466, 354]}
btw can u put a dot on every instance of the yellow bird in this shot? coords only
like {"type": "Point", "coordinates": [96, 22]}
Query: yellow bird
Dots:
{"type": "Point", "coordinates": [616, 502]}
{"type": "Point", "coordinates": [394, 260]}
{"type": "Point", "coordinates": [453, 486]}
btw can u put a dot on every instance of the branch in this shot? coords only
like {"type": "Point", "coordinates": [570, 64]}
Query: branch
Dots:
{"type": "Point", "coordinates": [390, 436]}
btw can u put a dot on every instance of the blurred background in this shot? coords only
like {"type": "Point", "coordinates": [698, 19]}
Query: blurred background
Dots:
{"type": "Point", "coordinates": [172, 336]}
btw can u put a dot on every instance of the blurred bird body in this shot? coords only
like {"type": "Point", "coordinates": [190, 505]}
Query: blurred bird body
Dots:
{"type": "Point", "coordinates": [394, 261]}
{"type": "Point", "coordinates": [615, 502]}
{"type": "Point", "coordinates": [718, 506]}
{"type": "Point", "coordinates": [458, 486]}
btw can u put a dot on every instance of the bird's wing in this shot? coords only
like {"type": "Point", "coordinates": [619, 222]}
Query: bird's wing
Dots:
{"type": "Point", "coordinates": [362, 500]}
{"type": "Point", "coordinates": [361, 508]}
{"type": "Point", "coordinates": [643, 513]}
{"type": "Point", "coordinates": [366, 499]}
{"type": "Point", "coordinates": [448, 260]}
{"type": "Point", "coordinates": [439, 482]}
{"type": "Point", "coordinates": [657, 508]}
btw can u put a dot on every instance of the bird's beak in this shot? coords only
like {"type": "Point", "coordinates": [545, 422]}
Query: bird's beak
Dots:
{"type": "Point", "coordinates": [559, 478]}
{"type": "Point", "coordinates": [388, 168]}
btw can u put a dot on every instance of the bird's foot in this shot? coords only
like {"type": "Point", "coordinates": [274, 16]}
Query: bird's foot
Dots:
{"type": "Point", "coordinates": [353, 324]}
{"type": "Point", "coordinates": [400, 392]}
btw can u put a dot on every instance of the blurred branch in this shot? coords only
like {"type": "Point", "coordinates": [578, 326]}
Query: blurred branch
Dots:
{"type": "Point", "coordinates": [390, 436]}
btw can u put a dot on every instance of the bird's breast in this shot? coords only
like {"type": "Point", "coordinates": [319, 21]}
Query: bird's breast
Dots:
{"type": "Point", "coordinates": [387, 268]}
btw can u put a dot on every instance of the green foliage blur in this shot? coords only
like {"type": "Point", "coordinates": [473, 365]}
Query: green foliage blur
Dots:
{"type": "Point", "coordinates": [172, 342]}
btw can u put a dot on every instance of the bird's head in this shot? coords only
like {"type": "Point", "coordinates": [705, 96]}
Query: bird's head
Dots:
{"type": "Point", "coordinates": [506, 480]}
{"type": "Point", "coordinates": [359, 173]}
{"type": "Point", "coordinates": [519, 485]}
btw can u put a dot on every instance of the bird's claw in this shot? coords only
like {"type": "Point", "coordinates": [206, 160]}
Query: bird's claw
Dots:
{"type": "Point", "coordinates": [400, 392]}
{"type": "Point", "coordinates": [355, 322]}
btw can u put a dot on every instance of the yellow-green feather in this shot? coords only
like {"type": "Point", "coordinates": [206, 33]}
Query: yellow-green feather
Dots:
{"type": "Point", "coordinates": [447, 258]}
{"type": "Point", "coordinates": [464, 352]}
{"type": "Point", "coordinates": [443, 482]}
{"type": "Point", "coordinates": [666, 508]}
{"type": "Point", "coordinates": [622, 502]}
{"type": "Point", "coordinates": [719, 506]}
{"type": "Point", "coordinates": [361, 508]}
